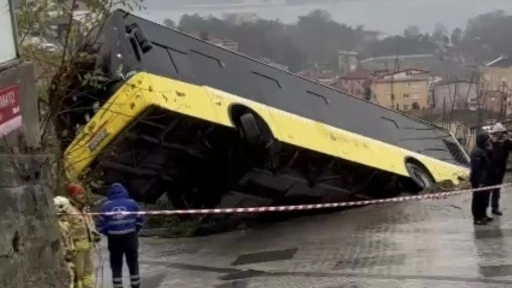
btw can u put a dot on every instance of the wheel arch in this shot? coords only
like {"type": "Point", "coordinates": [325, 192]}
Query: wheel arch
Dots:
{"type": "Point", "coordinates": [236, 110]}
{"type": "Point", "coordinates": [415, 161]}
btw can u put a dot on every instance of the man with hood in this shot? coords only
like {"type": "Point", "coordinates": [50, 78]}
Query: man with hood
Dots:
{"type": "Point", "coordinates": [501, 145]}
{"type": "Point", "coordinates": [122, 231]}
{"type": "Point", "coordinates": [480, 177]}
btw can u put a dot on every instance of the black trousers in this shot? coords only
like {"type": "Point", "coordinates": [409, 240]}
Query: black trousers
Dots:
{"type": "Point", "coordinates": [479, 203]}
{"type": "Point", "coordinates": [120, 246]}
{"type": "Point", "coordinates": [495, 193]}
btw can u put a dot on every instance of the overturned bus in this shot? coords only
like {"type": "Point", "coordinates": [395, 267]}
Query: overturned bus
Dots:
{"type": "Point", "coordinates": [210, 127]}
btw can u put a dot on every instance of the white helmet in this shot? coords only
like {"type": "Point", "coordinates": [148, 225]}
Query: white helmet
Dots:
{"type": "Point", "coordinates": [61, 204]}
{"type": "Point", "coordinates": [497, 128]}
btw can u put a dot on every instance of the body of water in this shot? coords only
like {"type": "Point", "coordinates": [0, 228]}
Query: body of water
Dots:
{"type": "Point", "coordinates": [389, 16]}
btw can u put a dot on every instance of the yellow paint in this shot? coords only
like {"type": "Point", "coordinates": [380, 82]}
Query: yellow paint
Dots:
{"type": "Point", "coordinates": [144, 90]}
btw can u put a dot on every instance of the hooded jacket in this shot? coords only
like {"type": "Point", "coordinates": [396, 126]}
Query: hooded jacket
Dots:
{"type": "Point", "coordinates": [119, 224]}
{"type": "Point", "coordinates": [480, 162]}
{"type": "Point", "coordinates": [499, 156]}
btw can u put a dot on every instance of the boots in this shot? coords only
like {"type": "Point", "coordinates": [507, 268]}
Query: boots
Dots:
{"type": "Point", "coordinates": [497, 212]}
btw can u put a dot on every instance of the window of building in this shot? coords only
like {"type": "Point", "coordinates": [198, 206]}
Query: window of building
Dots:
{"type": "Point", "coordinates": [392, 97]}
{"type": "Point", "coordinates": [406, 96]}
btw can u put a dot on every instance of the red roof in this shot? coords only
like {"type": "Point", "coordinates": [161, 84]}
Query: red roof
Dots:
{"type": "Point", "coordinates": [358, 74]}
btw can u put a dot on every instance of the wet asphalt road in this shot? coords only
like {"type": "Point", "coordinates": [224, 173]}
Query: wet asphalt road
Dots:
{"type": "Point", "coordinates": [432, 243]}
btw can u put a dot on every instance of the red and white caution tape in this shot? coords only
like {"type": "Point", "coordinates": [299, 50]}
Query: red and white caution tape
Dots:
{"type": "Point", "coordinates": [304, 206]}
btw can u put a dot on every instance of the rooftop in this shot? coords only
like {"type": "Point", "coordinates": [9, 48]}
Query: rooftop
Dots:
{"type": "Point", "coordinates": [358, 74]}
{"type": "Point", "coordinates": [501, 62]}
{"type": "Point", "coordinates": [421, 77]}
{"type": "Point", "coordinates": [384, 58]}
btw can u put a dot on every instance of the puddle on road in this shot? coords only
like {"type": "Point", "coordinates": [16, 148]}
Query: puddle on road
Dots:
{"type": "Point", "coordinates": [493, 234]}
{"type": "Point", "coordinates": [266, 256]}
{"type": "Point", "coordinates": [371, 261]}
{"type": "Point", "coordinates": [496, 271]}
{"type": "Point", "coordinates": [234, 284]}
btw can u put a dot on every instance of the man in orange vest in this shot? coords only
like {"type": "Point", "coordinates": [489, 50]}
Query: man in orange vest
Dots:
{"type": "Point", "coordinates": [84, 236]}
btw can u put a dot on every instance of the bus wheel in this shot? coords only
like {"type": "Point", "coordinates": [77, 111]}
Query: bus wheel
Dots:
{"type": "Point", "coordinates": [419, 174]}
{"type": "Point", "coordinates": [249, 128]}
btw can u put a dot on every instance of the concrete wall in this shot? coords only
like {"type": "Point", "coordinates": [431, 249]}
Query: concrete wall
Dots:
{"type": "Point", "coordinates": [30, 252]}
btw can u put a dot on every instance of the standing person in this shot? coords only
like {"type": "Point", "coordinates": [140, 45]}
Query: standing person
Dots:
{"type": "Point", "coordinates": [122, 233]}
{"type": "Point", "coordinates": [479, 177]}
{"type": "Point", "coordinates": [62, 205]}
{"type": "Point", "coordinates": [501, 146]}
{"type": "Point", "coordinates": [83, 235]}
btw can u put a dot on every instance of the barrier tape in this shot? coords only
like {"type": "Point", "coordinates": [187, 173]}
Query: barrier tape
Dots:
{"type": "Point", "coordinates": [302, 207]}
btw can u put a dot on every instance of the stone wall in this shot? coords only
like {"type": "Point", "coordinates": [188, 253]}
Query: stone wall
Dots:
{"type": "Point", "coordinates": [30, 252]}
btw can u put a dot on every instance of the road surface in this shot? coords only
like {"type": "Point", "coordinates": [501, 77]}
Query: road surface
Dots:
{"type": "Point", "coordinates": [432, 243]}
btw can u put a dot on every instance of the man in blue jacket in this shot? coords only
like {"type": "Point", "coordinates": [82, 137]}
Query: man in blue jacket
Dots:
{"type": "Point", "coordinates": [121, 230]}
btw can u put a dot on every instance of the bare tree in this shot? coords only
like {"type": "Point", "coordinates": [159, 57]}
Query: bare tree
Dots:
{"type": "Point", "coordinates": [54, 54]}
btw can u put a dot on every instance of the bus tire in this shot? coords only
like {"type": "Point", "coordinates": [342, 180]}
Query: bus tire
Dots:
{"type": "Point", "coordinates": [419, 174]}
{"type": "Point", "coordinates": [249, 128]}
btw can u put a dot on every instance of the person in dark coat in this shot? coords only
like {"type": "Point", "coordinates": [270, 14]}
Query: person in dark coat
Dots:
{"type": "Point", "coordinates": [480, 177]}
{"type": "Point", "coordinates": [122, 233]}
{"type": "Point", "coordinates": [501, 146]}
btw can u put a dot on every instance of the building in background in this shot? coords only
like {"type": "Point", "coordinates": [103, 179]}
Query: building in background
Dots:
{"type": "Point", "coordinates": [496, 85]}
{"type": "Point", "coordinates": [497, 74]}
{"type": "Point", "coordinates": [271, 62]}
{"type": "Point", "coordinates": [369, 36]}
{"type": "Point", "coordinates": [453, 95]}
{"type": "Point", "coordinates": [400, 62]}
{"type": "Point", "coordinates": [438, 66]}
{"type": "Point", "coordinates": [347, 61]}
{"type": "Point", "coordinates": [224, 43]}
{"type": "Point", "coordinates": [240, 18]}
{"type": "Point", "coordinates": [402, 90]}
{"type": "Point", "coordinates": [463, 124]}
{"type": "Point", "coordinates": [320, 73]}
{"type": "Point", "coordinates": [356, 83]}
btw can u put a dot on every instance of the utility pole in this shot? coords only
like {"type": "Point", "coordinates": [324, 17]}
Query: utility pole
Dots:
{"type": "Point", "coordinates": [393, 82]}
{"type": "Point", "coordinates": [502, 102]}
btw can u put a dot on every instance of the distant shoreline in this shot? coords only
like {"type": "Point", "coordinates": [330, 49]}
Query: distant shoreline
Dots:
{"type": "Point", "coordinates": [245, 5]}
{"type": "Point", "coordinates": [389, 16]}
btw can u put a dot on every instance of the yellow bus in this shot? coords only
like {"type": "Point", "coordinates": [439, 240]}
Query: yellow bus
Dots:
{"type": "Point", "coordinates": [210, 127]}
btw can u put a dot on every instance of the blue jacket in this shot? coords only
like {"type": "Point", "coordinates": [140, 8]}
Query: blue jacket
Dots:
{"type": "Point", "coordinates": [119, 201]}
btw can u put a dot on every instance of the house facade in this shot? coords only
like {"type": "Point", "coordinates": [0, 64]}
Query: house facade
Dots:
{"type": "Point", "coordinates": [403, 90]}
{"type": "Point", "coordinates": [356, 83]}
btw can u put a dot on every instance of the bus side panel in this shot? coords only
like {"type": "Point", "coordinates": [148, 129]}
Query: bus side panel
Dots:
{"type": "Point", "coordinates": [284, 126]}
{"type": "Point", "coordinates": [183, 98]}
{"type": "Point", "coordinates": [319, 137]}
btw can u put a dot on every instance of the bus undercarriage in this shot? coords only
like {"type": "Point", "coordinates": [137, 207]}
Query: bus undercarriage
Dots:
{"type": "Point", "coordinates": [198, 164]}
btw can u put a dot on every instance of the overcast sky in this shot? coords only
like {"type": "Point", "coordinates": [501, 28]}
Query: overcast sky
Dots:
{"type": "Point", "coordinates": [390, 16]}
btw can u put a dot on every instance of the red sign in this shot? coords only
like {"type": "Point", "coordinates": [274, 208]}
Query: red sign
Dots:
{"type": "Point", "coordinates": [10, 112]}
